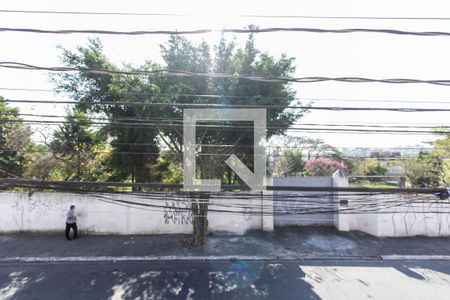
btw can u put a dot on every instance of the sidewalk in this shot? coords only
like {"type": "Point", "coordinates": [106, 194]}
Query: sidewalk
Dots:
{"type": "Point", "coordinates": [285, 243]}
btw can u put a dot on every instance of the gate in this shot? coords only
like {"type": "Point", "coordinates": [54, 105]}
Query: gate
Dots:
{"type": "Point", "coordinates": [302, 207]}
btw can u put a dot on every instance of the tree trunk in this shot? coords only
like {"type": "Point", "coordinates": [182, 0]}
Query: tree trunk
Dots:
{"type": "Point", "coordinates": [199, 204]}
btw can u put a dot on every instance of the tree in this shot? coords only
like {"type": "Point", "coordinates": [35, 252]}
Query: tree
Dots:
{"type": "Point", "coordinates": [41, 164]}
{"type": "Point", "coordinates": [165, 170]}
{"type": "Point", "coordinates": [423, 171]}
{"type": "Point", "coordinates": [323, 166]}
{"type": "Point", "coordinates": [15, 139]}
{"type": "Point", "coordinates": [442, 151]}
{"type": "Point", "coordinates": [370, 167]}
{"type": "Point", "coordinates": [430, 170]}
{"type": "Point", "coordinates": [181, 54]}
{"type": "Point", "coordinates": [79, 148]}
{"type": "Point", "coordinates": [93, 91]}
{"type": "Point", "coordinates": [288, 154]}
{"type": "Point", "coordinates": [133, 148]}
{"type": "Point", "coordinates": [290, 163]}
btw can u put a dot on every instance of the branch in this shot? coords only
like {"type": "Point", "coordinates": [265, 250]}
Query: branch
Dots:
{"type": "Point", "coordinates": [171, 147]}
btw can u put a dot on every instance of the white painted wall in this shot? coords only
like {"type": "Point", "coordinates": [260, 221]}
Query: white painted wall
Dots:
{"type": "Point", "coordinates": [267, 217]}
{"type": "Point", "coordinates": [407, 215]}
{"type": "Point", "coordinates": [364, 222]}
{"type": "Point", "coordinates": [341, 221]}
{"type": "Point", "coordinates": [105, 213]}
{"type": "Point", "coordinates": [393, 215]}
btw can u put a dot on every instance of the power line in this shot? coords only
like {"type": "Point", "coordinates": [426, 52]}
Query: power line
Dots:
{"type": "Point", "coordinates": [251, 97]}
{"type": "Point", "coordinates": [228, 30]}
{"type": "Point", "coordinates": [359, 201]}
{"type": "Point", "coordinates": [213, 105]}
{"type": "Point", "coordinates": [176, 122]}
{"type": "Point", "coordinates": [179, 121]}
{"type": "Point", "coordinates": [11, 174]}
{"type": "Point", "coordinates": [302, 147]}
{"type": "Point", "coordinates": [295, 208]}
{"type": "Point", "coordinates": [298, 204]}
{"type": "Point", "coordinates": [239, 195]}
{"type": "Point", "coordinates": [99, 13]}
{"type": "Point", "coordinates": [26, 89]}
{"type": "Point", "coordinates": [178, 73]}
{"type": "Point", "coordinates": [236, 187]}
{"type": "Point", "coordinates": [225, 127]}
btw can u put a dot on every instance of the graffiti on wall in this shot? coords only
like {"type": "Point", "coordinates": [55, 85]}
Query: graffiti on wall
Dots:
{"type": "Point", "coordinates": [178, 212]}
{"type": "Point", "coordinates": [35, 204]}
{"type": "Point", "coordinates": [410, 213]}
{"type": "Point", "coordinates": [248, 210]}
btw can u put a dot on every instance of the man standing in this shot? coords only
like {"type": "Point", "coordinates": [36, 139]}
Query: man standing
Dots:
{"type": "Point", "coordinates": [71, 222]}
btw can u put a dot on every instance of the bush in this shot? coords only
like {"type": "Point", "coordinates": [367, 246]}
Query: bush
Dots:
{"type": "Point", "coordinates": [323, 166]}
{"type": "Point", "coordinates": [371, 167]}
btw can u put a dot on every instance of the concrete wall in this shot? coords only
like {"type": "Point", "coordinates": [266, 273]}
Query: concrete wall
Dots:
{"type": "Point", "coordinates": [365, 222]}
{"type": "Point", "coordinates": [341, 221]}
{"type": "Point", "coordinates": [399, 215]}
{"type": "Point", "coordinates": [122, 214]}
{"type": "Point", "coordinates": [391, 215]}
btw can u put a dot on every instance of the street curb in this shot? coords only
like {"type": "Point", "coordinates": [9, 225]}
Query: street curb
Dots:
{"type": "Point", "coordinates": [70, 259]}
{"type": "Point", "coordinates": [60, 259]}
{"type": "Point", "coordinates": [56, 259]}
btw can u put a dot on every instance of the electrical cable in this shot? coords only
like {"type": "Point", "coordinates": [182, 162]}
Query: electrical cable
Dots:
{"type": "Point", "coordinates": [252, 97]}
{"type": "Point", "coordinates": [228, 30]}
{"type": "Point", "coordinates": [211, 105]}
{"type": "Point", "coordinates": [234, 128]}
{"type": "Point", "coordinates": [136, 14]}
{"type": "Point", "coordinates": [96, 152]}
{"type": "Point", "coordinates": [179, 186]}
{"type": "Point", "coordinates": [180, 73]}
{"type": "Point", "coordinates": [378, 207]}
{"type": "Point", "coordinates": [179, 121]}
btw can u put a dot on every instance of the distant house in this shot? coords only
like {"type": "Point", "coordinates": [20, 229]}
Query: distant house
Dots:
{"type": "Point", "coordinates": [385, 154]}
{"type": "Point", "coordinates": [394, 171]}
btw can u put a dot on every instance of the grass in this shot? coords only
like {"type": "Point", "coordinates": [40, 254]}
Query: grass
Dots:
{"type": "Point", "coordinates": [379, 185]}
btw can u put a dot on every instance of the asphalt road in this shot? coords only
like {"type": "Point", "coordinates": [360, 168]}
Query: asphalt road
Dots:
{"type": "Point", "coordinates": [284, 279]}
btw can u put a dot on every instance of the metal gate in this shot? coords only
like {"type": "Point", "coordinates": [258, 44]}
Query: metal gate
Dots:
{"type": "Point", "coordinates": [303, 208]}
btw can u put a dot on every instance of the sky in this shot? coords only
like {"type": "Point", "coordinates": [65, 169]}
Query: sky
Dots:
{"type": "Point", "coordinates": [371, 55]}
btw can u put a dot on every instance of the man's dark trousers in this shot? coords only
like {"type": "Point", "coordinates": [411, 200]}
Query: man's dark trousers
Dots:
{"type": "Point", "coordinates": [74, 228]}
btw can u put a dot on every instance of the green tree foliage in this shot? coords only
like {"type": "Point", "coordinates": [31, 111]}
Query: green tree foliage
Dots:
{"type": "Point", "coordinates": [91, 90]}
{"type": "Point", "coordinates": [290, 163]}
{"type": "Point", "coordinates": [79, 149]}
{"type": "Point", "coordinates": [442, 151]}
{"type": "Point", "coordinates": [181, 54]}
{"type": "Point", "coordinates": [370, 167]}
{"type": "Point", "coordinates": [164, 170]}
{"type": "Point", "coordinates": [15, 140]}
{"type": "Point", "coordinates": [430, 170]}
{"type": "Point", "coordinates": [288, 155]}
{"type": "Point", "coordinates": [41, 164]}
{"type": "Point", "coordinates": [423, 171]}
{"type": "Point", "coordinates": [133, 148]}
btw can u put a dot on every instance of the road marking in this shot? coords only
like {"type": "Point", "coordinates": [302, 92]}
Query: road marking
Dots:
{"type": "Point", "coordinates": [415, 257]}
